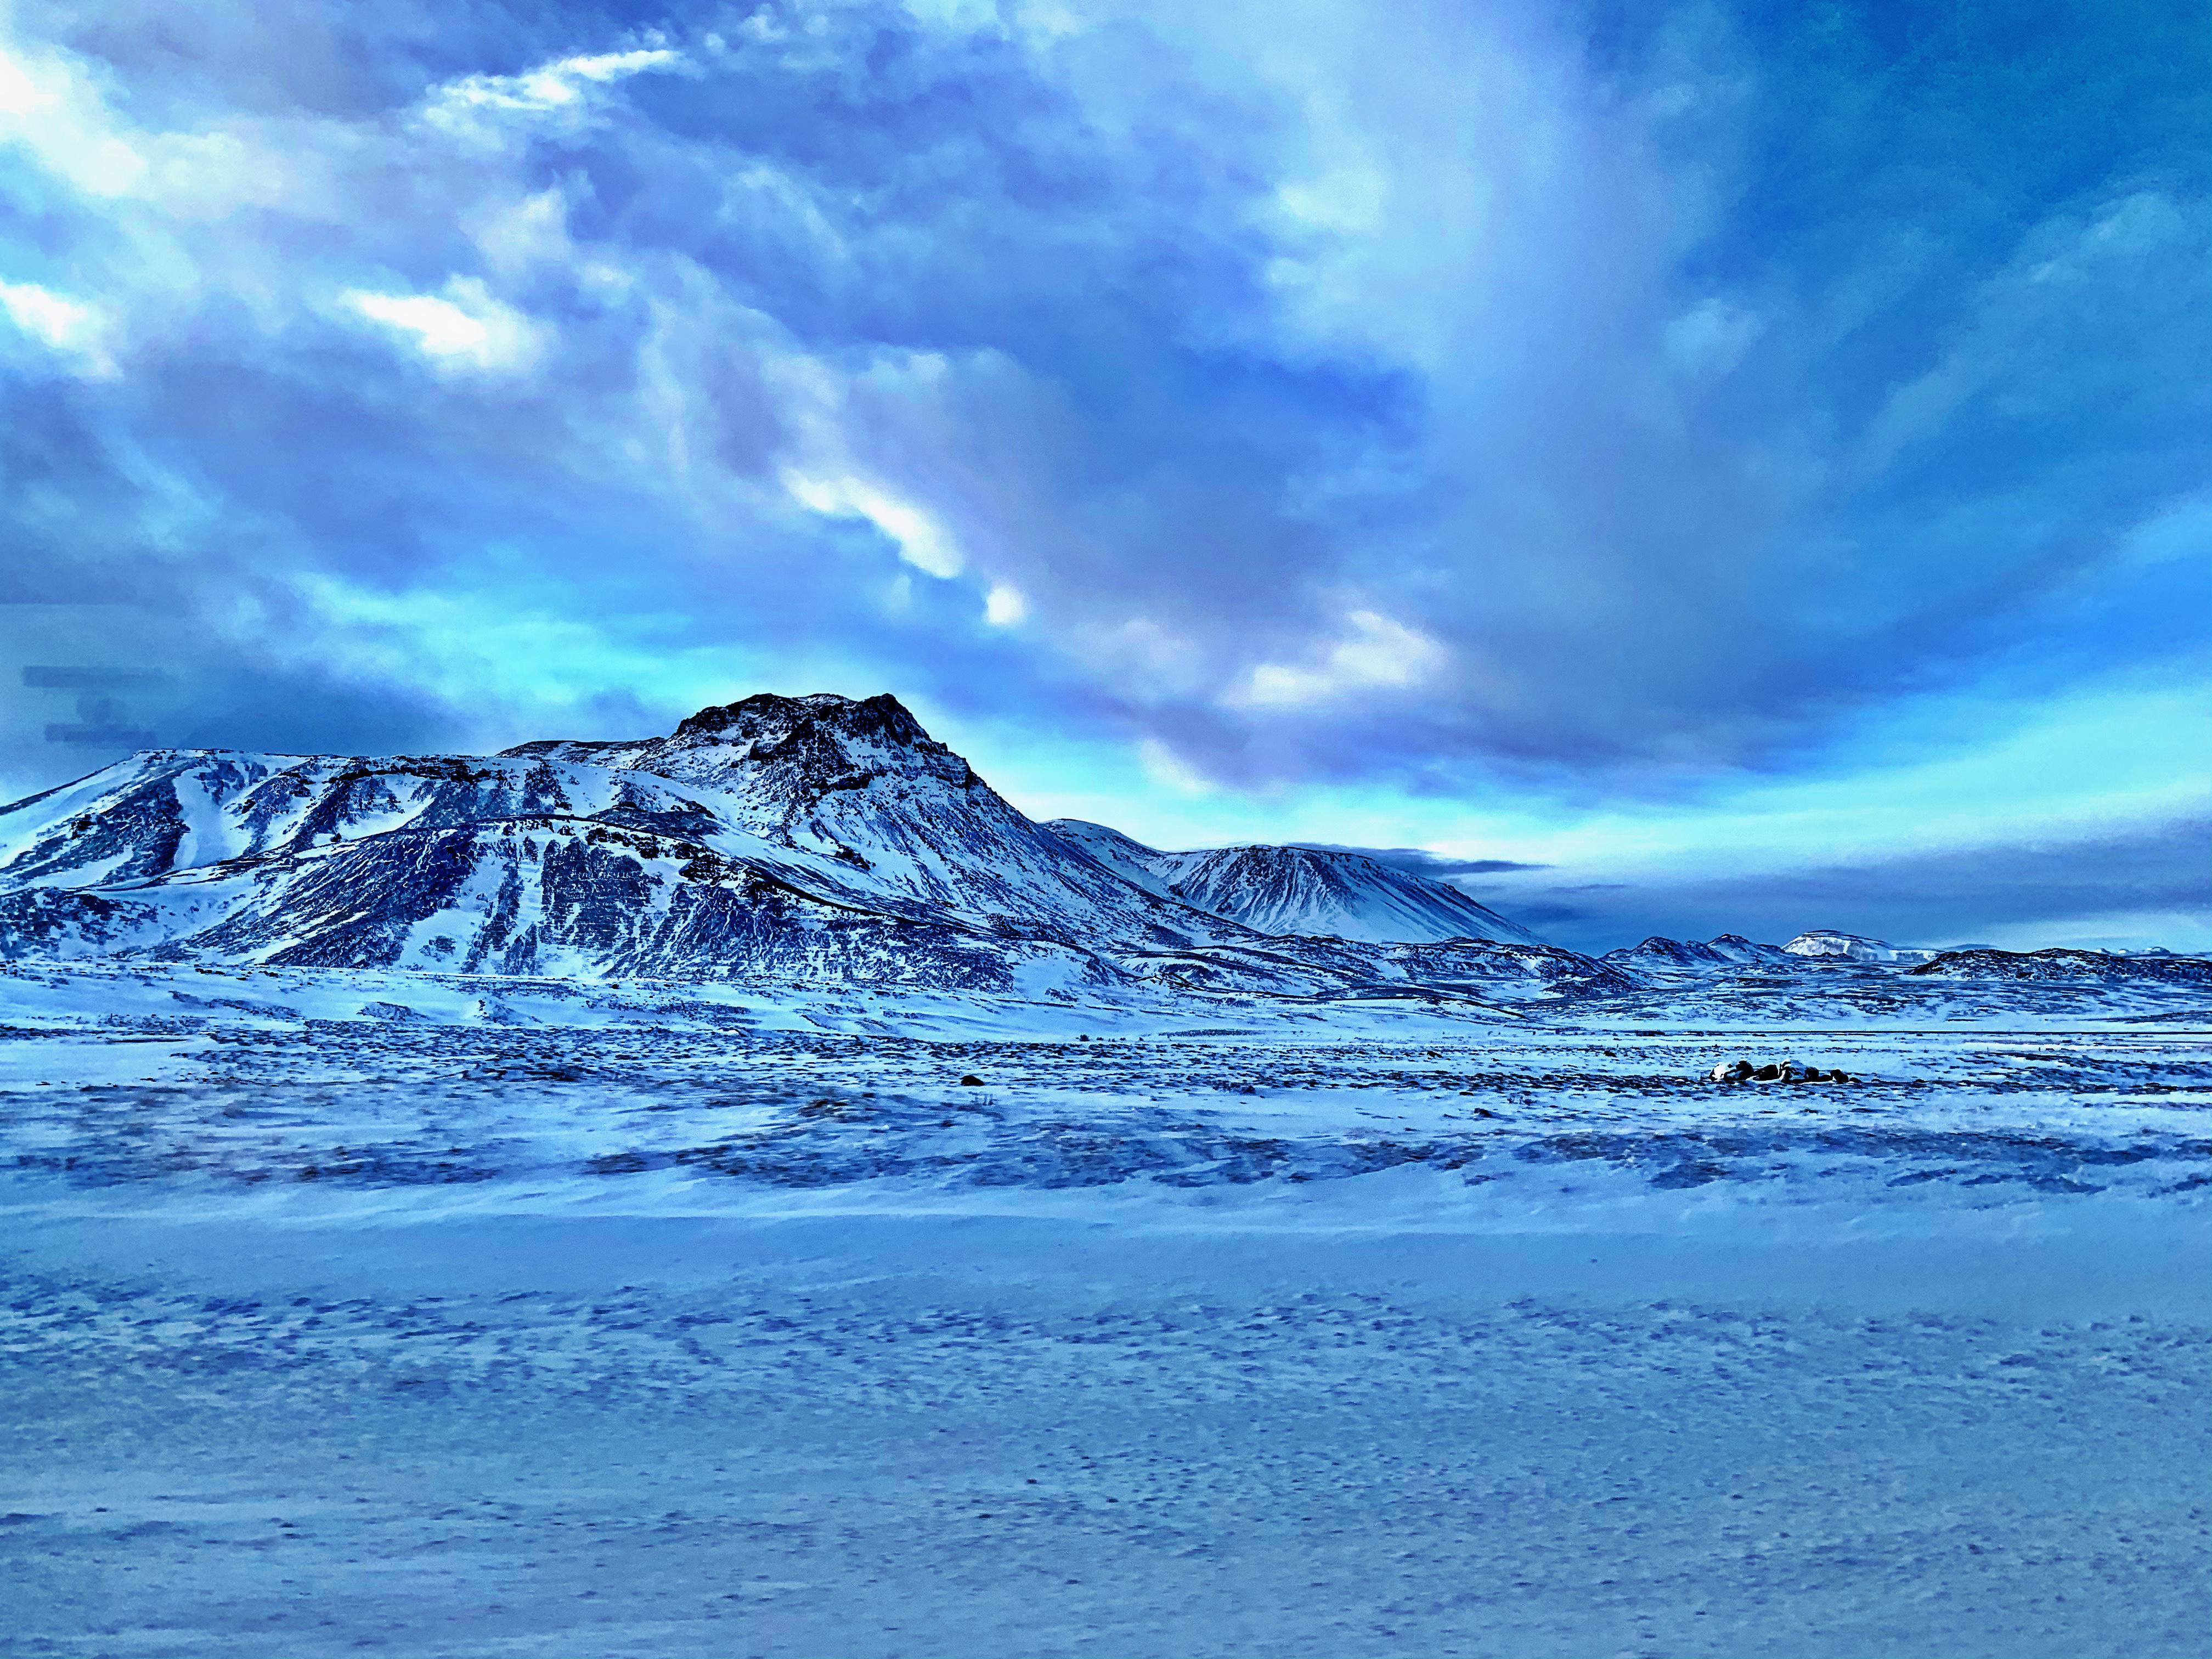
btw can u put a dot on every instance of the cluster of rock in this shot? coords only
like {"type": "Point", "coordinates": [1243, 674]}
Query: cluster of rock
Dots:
{"type": "Point", "coordinates": [1984, 962]}
{"type": "Point", "coordinates": [1786, 1070]}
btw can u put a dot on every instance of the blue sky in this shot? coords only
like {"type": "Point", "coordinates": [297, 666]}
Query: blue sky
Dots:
{"type": "Point", "coordinates": [1747, 465]}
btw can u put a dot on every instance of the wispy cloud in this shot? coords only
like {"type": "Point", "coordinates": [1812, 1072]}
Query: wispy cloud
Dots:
{"type": "Point", "coordinates": [559, 85]}
{"type": "Point", "coordinates": [465, 325]}
{"type": "Point", "coordinates": [1373, 652]}
{"type": "Point", "coordinates": [70, 327]}
{"type": "Point", "coordinates": [1437, 866]}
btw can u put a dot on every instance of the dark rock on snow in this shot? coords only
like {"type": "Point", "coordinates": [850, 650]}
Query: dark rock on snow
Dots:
{"type": "Point", "coordinates": [1786, 1070]}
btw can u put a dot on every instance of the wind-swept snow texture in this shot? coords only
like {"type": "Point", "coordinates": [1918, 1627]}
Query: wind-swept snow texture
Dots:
{"type": "Point", "coordinates": [489, 1314]}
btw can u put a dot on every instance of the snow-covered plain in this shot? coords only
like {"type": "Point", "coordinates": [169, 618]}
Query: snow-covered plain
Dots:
{"type": "Point", "coordinates": [355, 1310]}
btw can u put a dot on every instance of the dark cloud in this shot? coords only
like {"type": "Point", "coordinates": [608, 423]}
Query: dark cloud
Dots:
{"type": "Point", "coordinates": [1437, 866]}
{"type": "Point", "coordinates": [62, 720]}
{"type": "Point", "coordinates": [1931, 898]}
{"type": "Point", "coordinates": [1547, 914]}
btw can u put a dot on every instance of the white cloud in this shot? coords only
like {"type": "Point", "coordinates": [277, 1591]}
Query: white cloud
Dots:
{"type": "Point", "coordinates": [1346, 199]}
{"type": "Point", "coordinates": [513, 235]}
{"type": "Point", "coordinates": [922, 542]}
{"type": "Point", "coordinates": [1145, 657]}
{"type": "Point", "coordinates": [59, 115]}
{"type": "Point", "coordinates": [555, 88]}
{"type": "Point", "coordinates": [63, 325]}
{"type": "Point", "coordinates": [56, 112]}
{"type": "Point", "coordinates": [1377, 651]}
{"type": "Point", "coordinates": [610, 65]}
{"type": "Point", "coordinates": [1164, 766]}
{"type": "Point", "coordinates": [466, 327]}
{"type": "Point", "coordinates": [2023, 328]}
{"type": "Point", "coordinates": [1004, 606]}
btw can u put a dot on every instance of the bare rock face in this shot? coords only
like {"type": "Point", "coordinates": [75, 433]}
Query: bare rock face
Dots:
{"type": "Point", "coordinates": [785, 755]}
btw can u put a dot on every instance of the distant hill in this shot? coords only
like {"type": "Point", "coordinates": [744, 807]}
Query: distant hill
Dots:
{"type": "Point", "coordinates": [1300, 890]}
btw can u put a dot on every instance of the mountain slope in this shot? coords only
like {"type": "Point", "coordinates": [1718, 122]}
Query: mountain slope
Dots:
{"type": "Point", "coordinates": [813, 838]}
{"type": "Point", "coordinates": [860, 793]}
{"type": "Point", "coordinates": [1125, 855]}
{"type": "Point", "coordinates": [1659, 951]}
{"type": "Point", "coordinates": [1722, 950]}
{"type": "Point", "coordinates": [1307, 890]}
{"type": "Point", "coordinates": [515, 864]}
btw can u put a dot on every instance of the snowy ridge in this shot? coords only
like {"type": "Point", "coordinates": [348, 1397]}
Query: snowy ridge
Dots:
{"type": "Point", "coordinates": [800, 838]}
{"type": "Point", "coordinates": [1736, 948]}
{"type": "Point", "coordinates": [1724, 951]}
{"type": "Point", "coordinates": [1984, 962]}
{"type": "Point", "coordinates": [1827, 942]}
{"type": "Point", "coordinates": [1658, 951]}
{"type": "Point", "coordinates": [1820, 948]}
{"type": "Point", "coordinates": [1309, 891]}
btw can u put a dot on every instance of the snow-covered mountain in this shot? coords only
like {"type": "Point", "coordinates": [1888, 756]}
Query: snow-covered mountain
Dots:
{"type": "Point", "coordinates": [518, 864]}
{"type": "Point", "coordinates": [1808, 949]}
{"type": "Point", "coordinates": [1724, 951]}
{"type": "Point", "coordinates": [1304, 891]}
{"type": "Point", "coordinates": [1659, 951]}
{"type": "Point", "coordinates": [860, 793]}
{"type": "Point", "coordinates": [811, 838]}
{"type": "Point", "coordinates": [1735, 948]}
{"type": "Point", "coordinates": [1827, 942]}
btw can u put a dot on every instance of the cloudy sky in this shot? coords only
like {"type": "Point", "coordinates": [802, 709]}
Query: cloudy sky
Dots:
{"type": "Point", "coordinates": [1667, 469]}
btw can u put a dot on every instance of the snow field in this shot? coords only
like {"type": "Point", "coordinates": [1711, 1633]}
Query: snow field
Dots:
{"type": "Point", "coordinates": [666, 1325]}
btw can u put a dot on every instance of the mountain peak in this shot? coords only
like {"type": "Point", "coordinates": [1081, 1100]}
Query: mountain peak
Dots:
{"type": "Point", "coordinates": [1327, 892]}
{"type": "Point", "coordinates": [1829, 942]}
{"type": "Point", "coordinates": [767, 715]}
{"type": "Point", "coordinates": [785, 753]}
{"type": "Point", "coordinates": [797, 750]}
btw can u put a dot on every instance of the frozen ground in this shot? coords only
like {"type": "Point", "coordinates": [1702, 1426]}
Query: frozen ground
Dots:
{"type": "Point", "coordinates": [353, 1313]}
